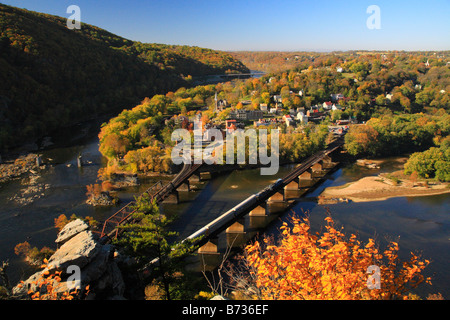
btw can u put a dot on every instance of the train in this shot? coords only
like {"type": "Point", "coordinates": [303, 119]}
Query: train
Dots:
{"type": "Point", "coordinates": [236, 212]}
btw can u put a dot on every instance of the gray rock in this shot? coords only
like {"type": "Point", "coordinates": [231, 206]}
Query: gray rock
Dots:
{"type": "Point", "coordinates": [97, 263]}
{"type": "Point", "coordinates": [70, 230]}
{"type": "Point", "coordinates": [80, 250]}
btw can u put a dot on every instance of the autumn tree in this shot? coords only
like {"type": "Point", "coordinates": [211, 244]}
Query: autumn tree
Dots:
{"type": "Point", "coordinates": [361, 140]}
{"type": "Point", "coordinates": [303, 265]}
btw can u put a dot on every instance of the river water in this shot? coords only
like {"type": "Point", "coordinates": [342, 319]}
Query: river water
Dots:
{"type": "Point", "coordinates": [419, 224]}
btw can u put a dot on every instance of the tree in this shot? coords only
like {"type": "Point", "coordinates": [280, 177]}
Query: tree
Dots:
{"type": "Point", "coordinates": [265, 96]}
{"type": "Point", "coordinates": [114, 145]}
{"type": "Point", "coordinates": [432, 163]}
{"type": "Point", "coordinates": [148, 239]}
{"type": "Point", "coordinates": [361, 139]}
{"type": "Point", "coordinates": [413, 177]}
{"type": "Point", "coordinates": [302, 265]}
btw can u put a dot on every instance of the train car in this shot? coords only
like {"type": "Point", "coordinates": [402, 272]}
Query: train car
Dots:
{"type": "Point", "coordinates": [223, 220]}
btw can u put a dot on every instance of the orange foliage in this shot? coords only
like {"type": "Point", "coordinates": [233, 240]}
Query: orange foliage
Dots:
{"type": "Point", "coordinates": [328, 266]}
{"type": "Point", "coordinates": [22, 249]}
{"type": "Point", "coordinates": [93, 190]}
{"type": "Point", "coordinates": [51, 288]}
{"type": "Point", "coordinates": [61, 221]}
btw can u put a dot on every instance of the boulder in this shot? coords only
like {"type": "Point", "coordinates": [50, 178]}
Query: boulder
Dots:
{"type": "Point", "coordinates": [79, 250]}
{"type": "Point", "coordinates": [104, 198]}
{"type": "Point", "coordinates": [70, 230]}
{"type": "Point", "coordinates": [97, 263]}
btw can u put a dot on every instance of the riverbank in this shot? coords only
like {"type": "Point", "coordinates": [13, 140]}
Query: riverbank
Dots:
{"type": "Point", "coordinates": [382, 187]}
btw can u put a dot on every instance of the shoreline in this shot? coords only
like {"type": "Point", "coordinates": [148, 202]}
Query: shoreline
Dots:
{"type": "Point", "coordinates": [380, 188]}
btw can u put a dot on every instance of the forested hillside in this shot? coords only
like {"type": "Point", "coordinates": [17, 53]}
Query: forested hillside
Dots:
{"type": "Point", "coordinates": [51, 76]}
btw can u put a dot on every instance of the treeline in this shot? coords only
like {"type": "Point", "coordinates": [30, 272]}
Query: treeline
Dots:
{"type": "Point", "coordinates": [426, 136]}
{"type": "Point", "coordinates": [276, 61]}
{"type": "Point", "coordinates": [186, 60]}
{"type": "Point", "coordinates": [52, 77]}
{"type": "Point", "coordinates": [431, 163]}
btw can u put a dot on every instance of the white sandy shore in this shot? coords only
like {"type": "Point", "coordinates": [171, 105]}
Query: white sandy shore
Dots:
{"type": "Point", "coordinates": [380, 188]}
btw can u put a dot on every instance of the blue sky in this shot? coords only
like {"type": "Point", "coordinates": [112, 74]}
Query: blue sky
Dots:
{"type": "Point", "coordinates": [283, 25]}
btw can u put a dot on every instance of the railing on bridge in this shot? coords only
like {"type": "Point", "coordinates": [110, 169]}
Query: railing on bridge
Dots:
{"type": "Point", "coordinates": [158, 192]}
{"type": "Point", "coordinates": [124, 215]}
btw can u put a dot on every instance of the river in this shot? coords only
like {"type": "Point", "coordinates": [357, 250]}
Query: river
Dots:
{"type": "Point", "coordinates": [422, 223]}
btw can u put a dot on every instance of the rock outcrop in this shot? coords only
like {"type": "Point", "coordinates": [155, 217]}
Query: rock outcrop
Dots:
{"type": "Point", "coordinates": [104, 198]}
{"type": "Point", "coordinates": [79, 248]}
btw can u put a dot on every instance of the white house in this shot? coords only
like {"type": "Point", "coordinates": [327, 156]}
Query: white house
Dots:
{"type": "Point", "coordinates": [273, 110]}
{"type": "Point", "coordinates": [289, 121]}
{"type": "Point", "coordinates": [336, 107]}
{"type": "Point", "coordinates": [302, 118]}
{"type": "Point", "coordinates": [277, 98]}
{"type": "Point", "coordinates": [327, 105]}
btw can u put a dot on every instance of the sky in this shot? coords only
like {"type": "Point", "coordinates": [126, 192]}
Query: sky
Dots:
{"type": "Point", "coordinates": [267, 25]}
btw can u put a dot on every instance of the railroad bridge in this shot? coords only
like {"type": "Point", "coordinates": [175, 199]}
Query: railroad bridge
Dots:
{"type": "Point", "coordinates": [267, 201]}
{"type": "Point", "coordinates": [260, 206]}
{"type": "Point", "coordinates": [304, 176]}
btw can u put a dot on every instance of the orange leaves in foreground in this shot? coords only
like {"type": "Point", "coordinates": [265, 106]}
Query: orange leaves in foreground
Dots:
{"type": "Point", "coordinates": [329, 266]}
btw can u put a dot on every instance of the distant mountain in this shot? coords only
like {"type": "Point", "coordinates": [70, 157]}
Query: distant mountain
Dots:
{"type": "Point", "coordinates": [51, 76]}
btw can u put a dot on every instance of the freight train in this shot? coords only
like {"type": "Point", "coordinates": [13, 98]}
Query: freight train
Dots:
{"type": "Point", "coordinates": [223, 221]}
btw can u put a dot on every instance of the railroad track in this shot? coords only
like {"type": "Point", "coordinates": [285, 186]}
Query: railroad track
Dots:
{"type": "Point", "coordinates": [111, 226]}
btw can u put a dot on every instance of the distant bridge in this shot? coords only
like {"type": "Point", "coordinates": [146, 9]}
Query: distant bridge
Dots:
{"type": "Point", "coordinates": [225, 76]}
{"type": "Point", "coordinates": [243, 74]}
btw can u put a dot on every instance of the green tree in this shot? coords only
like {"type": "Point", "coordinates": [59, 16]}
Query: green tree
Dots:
{"type": "Point", "coordinates": [149, 240]}
{"type": "Point", "coordinates": [432, 163]}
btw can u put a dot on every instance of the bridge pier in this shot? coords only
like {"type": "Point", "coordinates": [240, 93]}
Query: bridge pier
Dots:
{"type": "Point", "coordinates": [237, 227]}
{"type": "Point", "coordinates": [205, 176]}
{"type": "Point", "coordinates": [305, 179]}
{"type": "Point", "coordinates": [277, 197]}
{"type": "Point", "coordinates": [259, 211]}
{"type": "Point", "coordinates": [235, 233]}
{"type": "Point", "coordinates": [173, 198]}
{"type": "Point", "coordinates": [210, 247]}
{"type": "Point", "coordinates": [195, 177]}
{"type": "Point", "coordinates": [185, 186]}
{"type": "Point", "coordinates": [209, 254]}
{"type": "Point", "coordinates": [293, 185]}
{"type": "Point", "coordinates": [200, 176]}
{"type": "Point", "coordinates": [317, 169]}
